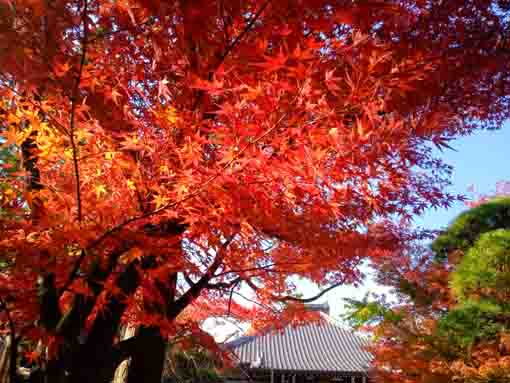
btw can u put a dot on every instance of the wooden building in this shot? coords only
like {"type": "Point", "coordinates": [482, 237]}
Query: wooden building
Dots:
{"type": "Point", "coordinates": [315, 352]}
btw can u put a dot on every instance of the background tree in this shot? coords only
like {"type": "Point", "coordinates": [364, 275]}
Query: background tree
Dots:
{"type": "Point", "coordinates": [193, 365]}
{"type": "Point", "coordinates": [178, 154]}
{"type": "Point", "coordinates": [452, 317]}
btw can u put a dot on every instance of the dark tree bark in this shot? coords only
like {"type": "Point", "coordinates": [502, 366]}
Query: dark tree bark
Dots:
{"type": "Point", "coordinates": [147, 362]}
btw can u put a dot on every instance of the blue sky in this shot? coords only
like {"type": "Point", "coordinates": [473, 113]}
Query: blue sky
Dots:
{"type": "Point", "coordinates": [481, 159]}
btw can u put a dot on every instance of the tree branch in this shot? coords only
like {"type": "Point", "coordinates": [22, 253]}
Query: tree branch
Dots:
{"type": "Point", "coordinates": [196, 288]}
{"type": "Point", "coordinates": [230, 300]}
{"type": "Point", "coordinates": [286, 298]}
{"type": "Point", "coordinates": [188, 280]}
{"type": "Point", "coordinates": [242, 34]}
{"type": "Point", "coordinates": [224, 285]}
{"type": "Point", "coordinates": [49, 310]}
{"type": "Point", "coordinates": [266, 307]}
{"type": "Point", "coordinates": [81, 305]}
{"type": "Point", "coordinates": [164, 228]}
{"type": "Point", "coordinates": [307, 300]}
{"type": "Point", "coordinates": [74, 97]}
{"type": "Point", "coordinates": [266, 268]}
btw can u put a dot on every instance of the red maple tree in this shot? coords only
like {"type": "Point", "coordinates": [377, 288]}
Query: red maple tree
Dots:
{"type": "Point", "coordinates": [170, 156]}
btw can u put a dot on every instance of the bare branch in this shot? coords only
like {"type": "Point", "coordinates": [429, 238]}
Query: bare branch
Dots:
{"type": "Point", "coordinates": [266, 307]}
{"type": "Point", "coordinates": [230, 300]}
{"type": "Point", "coordinates": [224, 285]}
{"type": "Point", "coordinates": [266, 268]}
{"type": "Point", "coordinates": [308, 300]}
{"type": "Point", "coordinates": [188, 280]}
{"type": "Point", "coordinates": [286, 298]}
{"type": "Point", "coordinates": [196, 288]}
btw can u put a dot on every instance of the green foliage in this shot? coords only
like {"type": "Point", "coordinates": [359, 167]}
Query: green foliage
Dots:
{"type": "Point", "coordinates": [466, 229]}
{"type": "Point", "coordinates": [485, 268]}
{"type": "Point", "coordinates": [365, 312]}
{"type": "Point", "coordinates": [8, 161]}
{"type": "Point", "coordinates": [482, 275]}
{"type": "Point", "coordinates": [481, 279]}
{"type": "Point", "coordinates": [465, 324]}
{"type": "Point", "coordinates": [9, 164]}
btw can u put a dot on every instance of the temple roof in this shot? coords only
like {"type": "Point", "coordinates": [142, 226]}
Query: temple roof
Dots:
{"type": "Point", "coordinates": [314, 347]}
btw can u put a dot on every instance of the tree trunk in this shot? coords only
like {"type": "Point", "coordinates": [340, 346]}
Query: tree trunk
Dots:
{"type": "Point", "coordinates": [147, 362]}
{"type": "Point", "coordinates": [121, 372]}
{"type": "Point", "coordinates": [94, 361]}
{"type": "Point", "coordinates": [5, 360]}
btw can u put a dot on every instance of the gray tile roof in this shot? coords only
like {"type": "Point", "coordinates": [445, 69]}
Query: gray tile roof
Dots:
{"type": "Point", "coordinates": [314, 347]}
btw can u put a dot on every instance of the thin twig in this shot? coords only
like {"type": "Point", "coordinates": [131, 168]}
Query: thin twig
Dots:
{"type": "Point", "coordinates": [264, 306]}
{"type": "Point", "coordinates": [265, 268]}
{"type": "Point", "coordinates": [230, 299]}
{"type": "Point", "coordinates": [74, 98]}
{"type": "Point", "coordinates": [311, 299]}
{"type": "Point", "coordinates": [286, 298]}
{"type": "Point", "coordinates": [242, 34]}
{"type": "Point", "coordinates": [229, 49]}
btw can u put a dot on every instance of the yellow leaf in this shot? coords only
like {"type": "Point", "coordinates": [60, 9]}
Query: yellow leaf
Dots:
{"type": "Point", "coordinates": [14, 118]}
{"type": "Point", "coordinates": [109, 155]}
{"type": "Point", "coordinates": [81, 135]}
{"type": "Point", "coordinates": [100, 189]}
{"type": "Point", "coordinates": [160, 200]}
{"type": "Point", "coordinates": [171, 115]}
{"type": "Point", "coordinates": [131, 185]}
{"type": "Point", "coordinates": [182, 190]}
{"type": "Point", "coordinates": [9, 193]}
